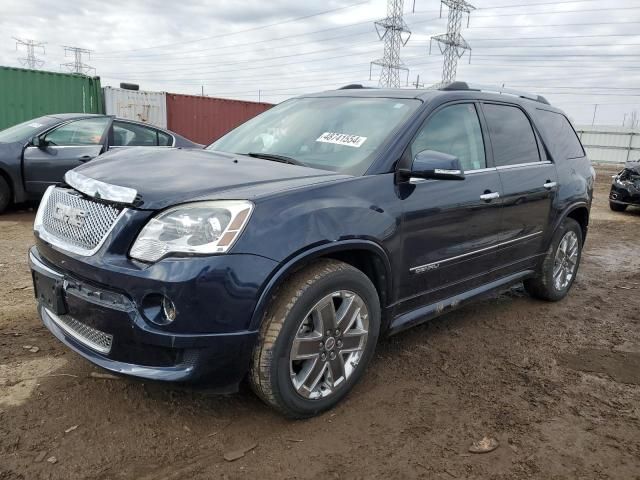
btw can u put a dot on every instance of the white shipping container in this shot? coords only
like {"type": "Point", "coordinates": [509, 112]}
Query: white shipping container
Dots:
{"type": "Point", "coordinates": [138, 105]}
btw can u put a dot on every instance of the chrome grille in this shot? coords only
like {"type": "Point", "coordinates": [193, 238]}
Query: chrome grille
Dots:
{"type": "Point", "coordinates": [89, 336]}
{"type": "Point", "coordinates": [76, 221]}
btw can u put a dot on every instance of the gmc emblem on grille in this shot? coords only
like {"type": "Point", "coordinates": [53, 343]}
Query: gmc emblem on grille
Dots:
{"type": "Point", "coordinates": [70, 215]}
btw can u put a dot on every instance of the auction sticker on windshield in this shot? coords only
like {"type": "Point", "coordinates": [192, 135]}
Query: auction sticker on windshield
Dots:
{"type": "Point", "coordinates": [342, 139]}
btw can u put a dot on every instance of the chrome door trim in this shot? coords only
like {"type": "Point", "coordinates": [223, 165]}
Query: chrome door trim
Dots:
{"type": "Point", "coordinates": [528, 164]}
{"type": "Point", "coordinates": [435, 265]}
{"type": "Point", "coordinates": [480, 170]}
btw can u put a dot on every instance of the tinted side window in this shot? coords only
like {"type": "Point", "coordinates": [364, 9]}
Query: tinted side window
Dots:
{"type": "Point", "coordinates": [81, 132]}
{"type": "Point", "coordinates": [454, 130]}
{"type": "Point", "coordinates": [164, 139]}
{"type": "Point", "coordinates": [131, 135]}
{"type": "Point", "coordinates": [512, 136]}
{"type": "Point", "coordinates": [564, 141]}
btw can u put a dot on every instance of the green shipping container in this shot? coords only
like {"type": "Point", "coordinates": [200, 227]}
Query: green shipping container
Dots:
{"type": "Point", "coordinates": [26, 94]}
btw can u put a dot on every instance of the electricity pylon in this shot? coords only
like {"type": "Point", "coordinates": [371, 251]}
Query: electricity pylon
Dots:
{"type": "Point", "coordinates": [395, 33]}
{"type": "Point", "coordinates": [452, 45]}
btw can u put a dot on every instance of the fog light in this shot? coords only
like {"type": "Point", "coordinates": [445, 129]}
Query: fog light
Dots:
{"type": "Point", "coordinates": [159, 309]}
{"type": "Point", "coordinates": [168, 309]}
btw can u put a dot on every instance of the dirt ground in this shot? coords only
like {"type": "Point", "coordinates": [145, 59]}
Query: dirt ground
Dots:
{"type": "Point", "coordinates": [557, 384]}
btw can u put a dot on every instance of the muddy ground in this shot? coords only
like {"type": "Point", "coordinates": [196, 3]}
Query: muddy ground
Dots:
{"type": "Point", "coordinates": [557, 384]}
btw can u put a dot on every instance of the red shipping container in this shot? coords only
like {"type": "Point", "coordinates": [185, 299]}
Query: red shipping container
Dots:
{"type": "Point", "coordinates": [205, 119]}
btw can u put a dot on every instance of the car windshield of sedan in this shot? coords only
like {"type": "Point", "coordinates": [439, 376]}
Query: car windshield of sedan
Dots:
{"type": "Point", "coordinates": [341, 134]}
{"type": "Point", "coordinates": [24, 131]}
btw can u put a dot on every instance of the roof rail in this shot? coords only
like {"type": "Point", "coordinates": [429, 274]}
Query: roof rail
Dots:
{"type": "Point", "coordinates": [490, 89]}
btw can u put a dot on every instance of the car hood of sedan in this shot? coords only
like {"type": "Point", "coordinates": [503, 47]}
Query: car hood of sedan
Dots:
{"type": "Point", "coordinates": [158, 178]}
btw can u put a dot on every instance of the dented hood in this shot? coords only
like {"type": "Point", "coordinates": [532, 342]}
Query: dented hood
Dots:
{"type": "Point", "coordinates": [165, 177]}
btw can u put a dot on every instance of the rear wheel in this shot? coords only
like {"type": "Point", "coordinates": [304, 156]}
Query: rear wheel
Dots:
{"type": "Point", "coordinates": [5, 194]}
{"type": "Point", "coordinates": [617, 207]}
{"type": "Point", "coordinates": [318, 335]}
{"type": "Point", "coordinates": [560, 265]}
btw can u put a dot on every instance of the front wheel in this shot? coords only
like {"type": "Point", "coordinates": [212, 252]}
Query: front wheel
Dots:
{"type": "Point", "coordinates": [560, 265]}
{"type": "Point", "coordinates": [317, 338]}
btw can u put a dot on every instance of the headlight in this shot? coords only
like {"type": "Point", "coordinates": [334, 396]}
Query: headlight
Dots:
{"type": "Point", "coordinates": [196, 228]}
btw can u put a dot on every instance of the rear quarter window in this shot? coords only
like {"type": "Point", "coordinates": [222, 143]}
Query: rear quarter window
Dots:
{"type": "Point", "coordinates": [559, 135]}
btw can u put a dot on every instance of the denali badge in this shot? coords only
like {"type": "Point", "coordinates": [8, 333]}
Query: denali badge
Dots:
{"type": "Point", "coordinates": [70, 215]}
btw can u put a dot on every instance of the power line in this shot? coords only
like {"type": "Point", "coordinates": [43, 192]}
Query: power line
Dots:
{"type": "Point", "coordinates": [396, 35]}
{"type": "Point", "coordinates": [583, 10]}
{"type": "Point", "coordinates": [583, 45]}
{"type": "Point", "coordinates": [557, 25]}
{"type": "Point", "coordinates": [252, 29]}
{"type": "Point", "coordinates": [252, 61]}
{"type": "Point", "coordinates": [536, 4]}
{"type": "Point", "coordinates": [554, 37]}
{"type": "Point", "coordinates": [30, 60]}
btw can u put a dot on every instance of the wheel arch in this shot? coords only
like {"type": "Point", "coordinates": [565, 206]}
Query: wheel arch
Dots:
{"type": "Point", "coordinates": [12, 189]}
{"type": "Point", "coordinates": [580, 213]}
{"type": "Point", "coordinates": [365, 255]}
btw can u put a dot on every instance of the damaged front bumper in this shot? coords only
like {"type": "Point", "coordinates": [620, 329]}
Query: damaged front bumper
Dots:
{"type": "Point", "coordinates": [107, 328]}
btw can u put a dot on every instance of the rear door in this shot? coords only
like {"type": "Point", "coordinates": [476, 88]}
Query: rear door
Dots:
{"type": "Point", "coordinates": [63, 148]}
{"type": "Point", "coordinates": [529, 184]}
{"type": "Point", "coordinates": [450, 227]}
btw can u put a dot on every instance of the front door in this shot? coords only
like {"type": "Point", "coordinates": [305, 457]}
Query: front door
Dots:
{"type": "Point", "coordinates": [450, 227]}
{"type": "Point", "coordinates": [529, 184]}
{"type": "Point", "coordinates": [61, 150]}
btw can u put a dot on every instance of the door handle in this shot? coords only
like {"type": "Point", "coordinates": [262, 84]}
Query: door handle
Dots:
{"type": "Point", "coordinates": [549, 185]}
{"type": "Point", "coordinates": [85, 158]}
{"type": "Point", "coordinates": [487, 197]}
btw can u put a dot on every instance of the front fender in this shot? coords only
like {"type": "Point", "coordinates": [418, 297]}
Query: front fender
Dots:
{"type": "Point", "coordinates": [308, 255]}
{"type": "Point", "coordinates": [10, 167]}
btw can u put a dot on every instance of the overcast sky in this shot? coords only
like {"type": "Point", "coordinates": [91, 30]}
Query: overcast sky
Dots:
{"type": "Point", "coordinates": [576, 53]}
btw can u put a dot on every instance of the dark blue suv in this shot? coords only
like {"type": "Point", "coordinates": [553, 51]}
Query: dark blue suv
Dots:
{"type": "Point", "coordinates": [283, 251]}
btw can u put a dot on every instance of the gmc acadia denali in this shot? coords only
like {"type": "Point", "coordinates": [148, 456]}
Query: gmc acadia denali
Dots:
{"type": "Point", "coordinates": [283, 251]}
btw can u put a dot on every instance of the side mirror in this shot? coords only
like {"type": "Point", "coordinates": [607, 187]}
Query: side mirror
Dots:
{"type": "Point", "coordinates": [436, 165]}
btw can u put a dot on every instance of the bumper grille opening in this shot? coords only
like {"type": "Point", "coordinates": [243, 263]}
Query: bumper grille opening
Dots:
{"type": "Point", "coordinates": [88, 336]}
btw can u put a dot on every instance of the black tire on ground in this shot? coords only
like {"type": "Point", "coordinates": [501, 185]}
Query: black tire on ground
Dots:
{"type": "Point", "coordinates": [617, 207]}
{"type": "Point", "coordinates": [5, 194]}
{"type": "Point", "coordinates": [542, 286]}
{"type": "Point", "coordinates": [270, 374]}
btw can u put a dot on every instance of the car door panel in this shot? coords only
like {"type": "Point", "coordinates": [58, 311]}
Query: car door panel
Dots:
{"type": "Point", "coordinates": [450, 232]}
{"type": "Point", "coordinates": [61, 149]}
{"type": "Point", "coordinates": [528, 192]}
{"type": "Point", "coordinates": [450, 235]}
{"type": "Point", "coordinates": [47, 166]}
{"type": "Point", "coordinates": [529, 184]}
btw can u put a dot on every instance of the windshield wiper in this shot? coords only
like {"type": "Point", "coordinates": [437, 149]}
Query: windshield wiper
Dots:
{"type": "Point", "coordinates": [276, 158]}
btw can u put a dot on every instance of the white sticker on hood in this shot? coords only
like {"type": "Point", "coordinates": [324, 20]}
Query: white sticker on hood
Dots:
{"type": "Point", "coordinates": [342, 139]}
{"type": "Point", "coordinates": [35, 125]}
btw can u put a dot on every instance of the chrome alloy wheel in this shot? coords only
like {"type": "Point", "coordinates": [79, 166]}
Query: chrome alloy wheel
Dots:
{"type": "Point", "coordinates": [566, 259]}
{"type": "Point", "coordinates": [329, 344]}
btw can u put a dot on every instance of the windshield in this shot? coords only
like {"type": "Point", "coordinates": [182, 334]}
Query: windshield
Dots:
{"type": "Point", "coordinates": [24, 131]}
{"type": "Point", "coordinates": [341, 134]}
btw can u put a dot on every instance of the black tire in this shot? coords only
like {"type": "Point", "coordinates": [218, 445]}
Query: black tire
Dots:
{"type": "Point", "coordinates": [270, 375]}
{"type": "Point", "coordinates": [543, 286]}
{"type": "Point", "coordinates": [617, 207]}
{"type": "Point", "coordinates": [5, 194]}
